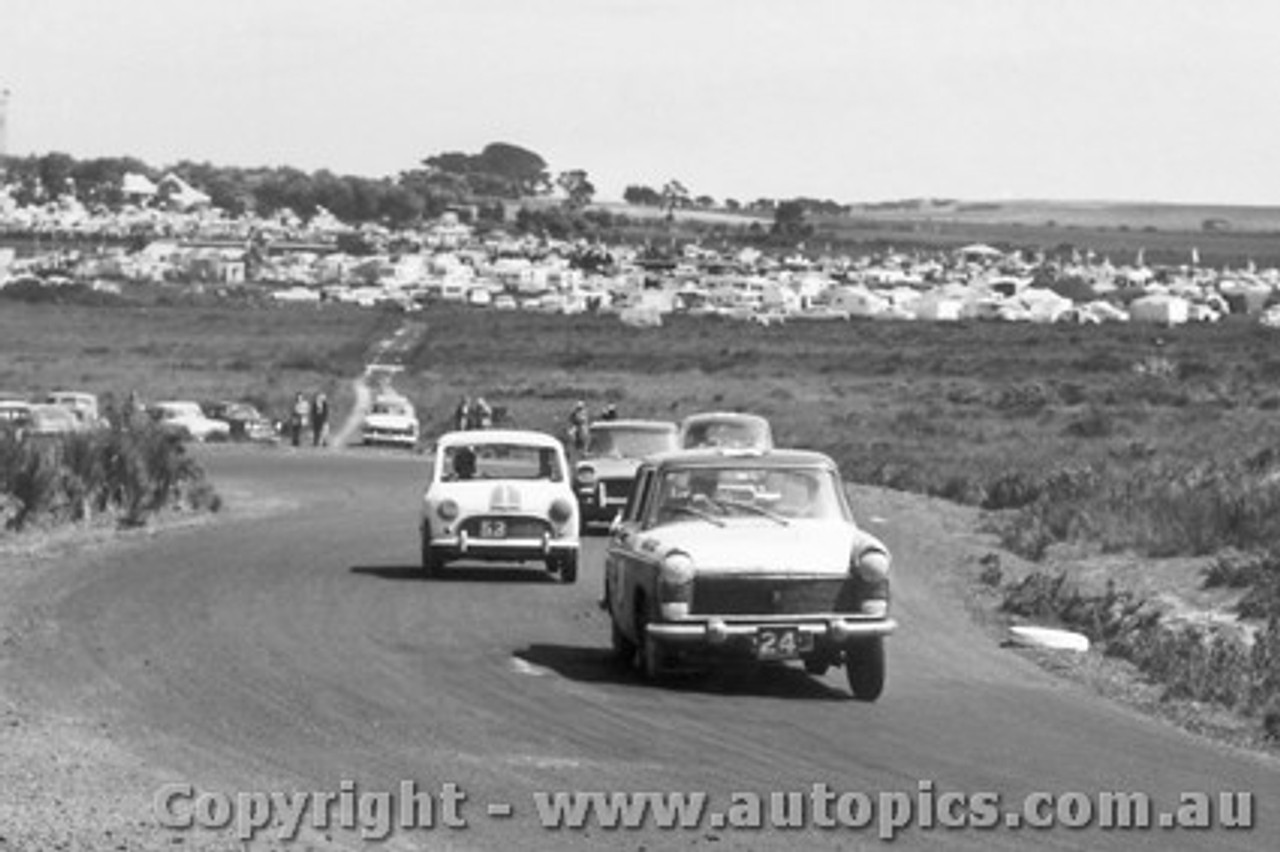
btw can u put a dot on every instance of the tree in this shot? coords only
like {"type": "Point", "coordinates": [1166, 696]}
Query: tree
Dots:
{"type": "Point", "coordinates": [789, 221]}
{"type": "Point", "coordinates": [705, 201]}
{"type": "Point", "coordinates": [577, 188]}
{"type": "Point", "coordinates": [642, 196]}
{"type": "Point", "coordinates": [674, 194]}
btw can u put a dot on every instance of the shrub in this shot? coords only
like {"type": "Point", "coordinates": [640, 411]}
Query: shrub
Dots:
{"type": "Point", "coordinates": [1192, 661]}
{"type": "Point", "coordinates": [132, 473]}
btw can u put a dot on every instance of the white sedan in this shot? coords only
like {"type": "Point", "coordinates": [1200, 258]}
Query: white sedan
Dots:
{"type": "Point", "coordinates": [731, 554]}
{"type": "Point", "coordinates": [500, 495]}
{"type": "Point", "coordinates": [187, 420]}
{"type": "Point", "coordinates": [390, 420]}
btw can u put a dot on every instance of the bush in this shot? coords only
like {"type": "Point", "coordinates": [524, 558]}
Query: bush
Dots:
{"type": "Point", "coordinates": [1192, 661]}
{"type": "Point", "coordinates": [131, 473]}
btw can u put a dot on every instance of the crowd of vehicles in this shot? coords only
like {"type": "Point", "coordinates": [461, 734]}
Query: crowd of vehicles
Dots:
{"type": "Point", "coordinates": [69, 412]}
{"type": "Point", "coordinates": [723, 549]}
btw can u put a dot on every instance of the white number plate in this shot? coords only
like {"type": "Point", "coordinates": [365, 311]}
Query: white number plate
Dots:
{"type": "Point", "coordinates": [782, 643]}
{"type": "Point", "coordinates": [493, 529]}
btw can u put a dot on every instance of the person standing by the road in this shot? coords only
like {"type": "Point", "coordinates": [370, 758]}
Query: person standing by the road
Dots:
{"type": "Point", "coordinates": [579, 426]}
{"type": "Point", "coordinates": [298, 418]}
{"type": "Point", "coordinates": [462, 414]}
{"type": "Point", "coordinates": [319, 420]}
{"type": "Point", "coordinates": [481, 415]}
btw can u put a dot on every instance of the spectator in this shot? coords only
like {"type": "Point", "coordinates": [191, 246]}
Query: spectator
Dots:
{"type": "Point", "coordinates": [579, 426]}
{"type": "Point", "coordinates": [298, 418]}
{"type": "Point", "coordinates": [319, 420]}
{"type": "Point", "coordinates": [462, 414]}
{"type": "Point", "coordinates": [610, 412]}
{"type": "Point", "coordinates": [480, 416]}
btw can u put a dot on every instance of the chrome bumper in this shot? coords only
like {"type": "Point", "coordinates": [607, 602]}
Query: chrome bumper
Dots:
{"type": "Point", "coordinates": [463, 545]}
{"type": "Point", "coordinates": [719, 631]}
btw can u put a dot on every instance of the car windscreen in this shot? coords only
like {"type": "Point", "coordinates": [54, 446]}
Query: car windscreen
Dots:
{"type": "Point", "coordinates": [727, 433]}
{"type": "Point", "coordinates": [738, 491]}
{"type": "Point", "coordinates": [630, 443]}
{"type": "Point", "coordinates": [397, 408]}
{"type": "Point", "coordinates": [501, 461]}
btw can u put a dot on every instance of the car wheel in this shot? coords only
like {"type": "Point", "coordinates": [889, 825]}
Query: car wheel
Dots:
{"type": "Point", "coordinates": [431, 561]}
{"type": "Point", "coordinates": [649, 652]}
{"type": "Point", "coordinates": [569, 568]}
{"type": "Point", "coordinates": [864, 665]}
{"type": "Point", "coordinates": [624, 650]}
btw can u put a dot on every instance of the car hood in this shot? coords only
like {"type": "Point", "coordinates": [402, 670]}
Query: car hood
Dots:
{"type": "Point", "coordinates": [500, 496]}
{"type": "Point", "coordinates": [612, 467]}
{"type": "Point", "coordinates": [762, 546]}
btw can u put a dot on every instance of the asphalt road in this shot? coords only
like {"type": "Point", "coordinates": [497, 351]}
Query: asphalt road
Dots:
{"type": "Point", "coordinates": [303, 648]}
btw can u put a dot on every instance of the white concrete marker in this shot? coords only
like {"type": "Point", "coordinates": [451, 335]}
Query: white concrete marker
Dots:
{"type": "Point", "coordinates": [1048, 637]}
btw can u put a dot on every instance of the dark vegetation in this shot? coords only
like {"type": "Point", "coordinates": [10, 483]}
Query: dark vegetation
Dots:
{"type": "Point", "coordinates": [125, 474]}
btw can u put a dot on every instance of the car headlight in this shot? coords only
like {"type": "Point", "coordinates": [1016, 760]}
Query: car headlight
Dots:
{"type": "Point", "coordinates": [871, 565]}
{"type": "Point", "coordinates": [586, 475]}
{"type": "Point", "coordinates": [871, 568]}
{"type": "Point", "coordinates": [675, 578]}
{"type": "Point", "coordinates": [447, 510]}
{"type": "Point", "coordinates": [561, 511]}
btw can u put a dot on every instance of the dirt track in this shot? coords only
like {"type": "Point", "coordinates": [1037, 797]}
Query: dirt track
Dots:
{"type": "Point", "coordinates": [302, 648]}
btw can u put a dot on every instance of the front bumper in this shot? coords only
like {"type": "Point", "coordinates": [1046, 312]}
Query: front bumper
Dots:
{"type": "Point", "coordinates": [825, 632]}
{"type": "Point", "coordinates": [602, 500]}
{"type": "Point", "coordinates": [464, 546]}
{"type": "Point", "coordinates": [400, 439]}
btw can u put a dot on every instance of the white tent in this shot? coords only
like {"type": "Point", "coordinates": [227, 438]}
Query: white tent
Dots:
{"type": "Point", "coordinates": [137, 185]}
{"type": "Point", "coordinates": [1160, 309]}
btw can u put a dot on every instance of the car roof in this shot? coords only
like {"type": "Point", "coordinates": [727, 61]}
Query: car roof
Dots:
{"type": "Point", "coordinates": [705, 416]}
{"type": "Point", "coordinates": [743, 457]}
{"type": "Point", "coordinates": [471, 437]}
{"type": "Point", "coordinates": [650, 425]}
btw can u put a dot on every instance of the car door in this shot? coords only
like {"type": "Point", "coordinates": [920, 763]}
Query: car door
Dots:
{"type": "Point", "coordinates": [621, 563]}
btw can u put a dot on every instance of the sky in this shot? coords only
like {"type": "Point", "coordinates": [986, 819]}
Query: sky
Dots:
{"type": "Point", "coordinates": [849, 100]}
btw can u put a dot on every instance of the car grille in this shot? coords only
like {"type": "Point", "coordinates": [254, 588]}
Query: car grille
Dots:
{"type": "Point", "coordinates": [517, 526]}
{"type": "Point", "coordinates": [773, 595]}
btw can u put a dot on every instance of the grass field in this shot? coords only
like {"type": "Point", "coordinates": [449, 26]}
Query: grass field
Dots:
{"type": "Point", "coordinates": [1119, 439]}
{"type": "Point", "coordinates": [186, 348]}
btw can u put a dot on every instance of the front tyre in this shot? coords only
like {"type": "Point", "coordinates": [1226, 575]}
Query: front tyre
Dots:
{"type": "Point", "coordinates": [431, 560]}
{"type": "Point", "coordinates": [569, 568]}
{"type": "Point", "coordinates": [650, 655]}
{"type": "Point", "coordinates": [864, 665]}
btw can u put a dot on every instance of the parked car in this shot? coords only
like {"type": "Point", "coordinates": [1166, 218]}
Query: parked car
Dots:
{"type": "Point", "coordinates": [188, 421]}
{"type": "Point", "coordinates": [603, 476]}
{"type": "Point", "coordinates": [83, 405]}
{"type": "Point", "coordinates": [725, 429]}
{"type": "Point", "coordinates": [725, 555]}
{"type": "Point", "coordinates": [390, 420]}
{"type": "Point", "coordinates": [15, 416]}
{"type": "Point", "coordinates": [500, 495]}
{"type": "Point", "coordinates": [246, 421]}
{"type": "Point", "coordinates": [49, 419]}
